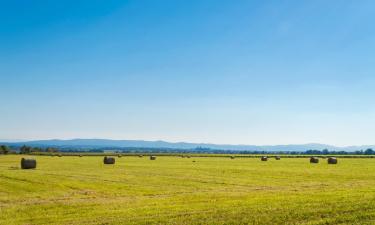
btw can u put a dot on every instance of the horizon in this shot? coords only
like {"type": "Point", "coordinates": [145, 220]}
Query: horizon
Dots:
{"type": "Point", "coordinates": [237, 73]}
{"type": "Point", "coordinates": [178, 142]}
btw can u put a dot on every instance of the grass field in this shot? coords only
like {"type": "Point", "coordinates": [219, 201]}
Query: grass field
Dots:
{"type": "Point", "coordinates": [173, 190]}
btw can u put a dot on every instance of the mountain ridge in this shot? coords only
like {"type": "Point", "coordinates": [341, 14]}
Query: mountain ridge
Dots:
{"type": "Point", "coordinates": [109, 143]}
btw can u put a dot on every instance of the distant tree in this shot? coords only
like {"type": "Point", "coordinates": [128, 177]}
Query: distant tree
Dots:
{"type": "Point", "coordinates": [313, 152]}
{"type": "Point", "coordinates": [325, 152]}
{"type": "Point", "coordinates": [369, 151]}
{"type": "Point", "coordinates": [36, 149]}
{"type": "Point", "coordinates": [4, 149]}
{"type": "Point", "coordinates": [25, 149]}
{"type": "Point", "coordinates": [50, 149]}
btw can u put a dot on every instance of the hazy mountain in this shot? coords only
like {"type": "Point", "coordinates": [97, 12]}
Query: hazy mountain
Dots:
{"type": "Point", "coordinates": [103, 143]}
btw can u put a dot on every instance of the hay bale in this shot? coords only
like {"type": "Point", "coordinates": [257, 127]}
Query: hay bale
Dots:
{"type": "Point", "coordinates": [314, 160]}
{"type": "Point", "coordinates": [140, 156]}
{"type": "Point", "coordinates": [28, 163]}
{"type": "Point", "coordinates": [332, 160]}
{"type": "Point", "coordinates": [119, 155]}
{"type": "Point", "coordinates": [264, 158]}
{"type": "Point", "coordinates": [80, 155]}
{"type": "Point", "coordinates": [188, 156]}
{"type": "Point", "coordinates": [60, 155]}
{"type": "Point", "coordinates": [277, 157]}
{"type": "Point", "coordinates": [109, 160]}
{"type": "Point", "coordinates": [152, 157]}
{"type": "Point", "coordinates": [232, 157]}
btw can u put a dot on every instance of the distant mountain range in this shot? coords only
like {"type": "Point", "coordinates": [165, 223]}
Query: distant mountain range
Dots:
{"type": "Point", "coordinates": [106, 143]}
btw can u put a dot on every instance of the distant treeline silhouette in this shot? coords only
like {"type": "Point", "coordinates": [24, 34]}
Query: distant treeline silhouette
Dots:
{"type": "Point", "coordinates": [4, 149]}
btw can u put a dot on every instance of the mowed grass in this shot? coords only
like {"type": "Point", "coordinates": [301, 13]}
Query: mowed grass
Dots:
{"type": "Point", "coordinates": [174, 190]}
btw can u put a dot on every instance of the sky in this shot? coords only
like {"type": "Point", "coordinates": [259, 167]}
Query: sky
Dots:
{"type": "Point", "coordinates": [206, 71]}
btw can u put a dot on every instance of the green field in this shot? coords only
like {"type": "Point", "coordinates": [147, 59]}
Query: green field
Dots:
{"type": "Point", "coordinates": [174, 190]}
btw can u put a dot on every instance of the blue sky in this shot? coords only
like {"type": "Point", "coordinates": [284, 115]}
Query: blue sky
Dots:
{"type": "Point", "coordinates": [236, 72]}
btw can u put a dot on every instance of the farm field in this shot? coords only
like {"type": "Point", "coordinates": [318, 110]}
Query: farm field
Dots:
{"type": "Point", "coordinates": [196, 190]}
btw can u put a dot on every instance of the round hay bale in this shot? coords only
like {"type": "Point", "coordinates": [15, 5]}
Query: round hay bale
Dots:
{"type": "Point", "coordinates": [332, 160]}
{"type": "Point", "coordinates": [152, 157]}
{"type": "Point", "coordinates": [109, 160]}
{"type": "Point", "coordinates": [28, 163]}
{"type": "Point", "coordinates": [119, 155]}
{"type": "Point", "coordinates": [140, 156]}
{"type": "Point", "coordinates": [232, 157]}
{"type": "Point", "coordinates": [314, 160]}
{"type": "Point", "coordinates": [188, 156]}
{"type": "Point", "coordinates": [264, 158]}
{"type": "Point", "coordinates": [60, 155]}
{"type": "Point", "coordinates": [277, 157]}
{"type": "Point", "coordinates": [80, 155]}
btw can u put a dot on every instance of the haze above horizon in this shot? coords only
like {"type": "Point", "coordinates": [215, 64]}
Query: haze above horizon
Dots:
{"type": "Point", "coordinates": [223, 72]}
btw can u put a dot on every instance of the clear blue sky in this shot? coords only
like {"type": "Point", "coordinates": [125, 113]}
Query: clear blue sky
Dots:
{"type": "Point", "coordinates": [236, 72]}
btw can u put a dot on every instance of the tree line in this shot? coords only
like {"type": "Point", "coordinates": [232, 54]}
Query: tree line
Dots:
{"type": "Point", "coordinates": [4, 149]}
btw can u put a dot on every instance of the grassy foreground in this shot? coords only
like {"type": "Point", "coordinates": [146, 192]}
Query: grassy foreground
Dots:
{"type": "Point", "coordinates": [173, 190]}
